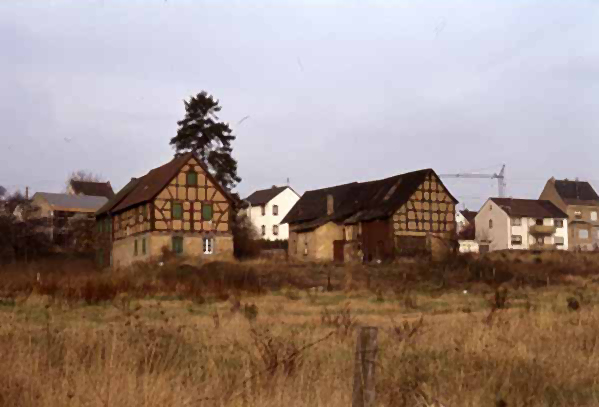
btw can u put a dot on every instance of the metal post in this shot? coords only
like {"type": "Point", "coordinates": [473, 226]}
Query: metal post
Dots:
{"type": "Point", "coordinates": [364, 394]}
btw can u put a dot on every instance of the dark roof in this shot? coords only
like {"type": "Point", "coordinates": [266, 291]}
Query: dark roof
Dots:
{"type": "Point", "coordinates": [115, 200]}
{"type": "Point", "coordinates": [530, 208]}
{"type": "Point", "coordinates": [357, 201]}
{"type": "Point", "coordinates": [92, 188]}
{"type": "Point", "coordinates": [469, 215]}
{"type": "Point", "coordinates": [576, 192]}
{"type": "Point", "coordinates": [150, 185]}
{"type": "Point", "coordinates": [263, 196]}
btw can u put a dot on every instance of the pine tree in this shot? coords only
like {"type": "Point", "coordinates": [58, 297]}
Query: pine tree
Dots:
{"type": "Point", "coordinates": [201, 132]}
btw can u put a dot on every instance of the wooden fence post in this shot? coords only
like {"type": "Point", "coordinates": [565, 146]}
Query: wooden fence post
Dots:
{"type": "Point", "coordinates": [364, 394]}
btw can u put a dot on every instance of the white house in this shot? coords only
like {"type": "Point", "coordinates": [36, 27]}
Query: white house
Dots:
{"type": "Point", "coordinates": [267, 207]}
{"type": "Point", "coordinates": [524, 224]}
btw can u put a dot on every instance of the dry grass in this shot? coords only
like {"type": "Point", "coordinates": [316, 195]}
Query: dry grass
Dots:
{"type": "Point", "coordinates": [288, 344]}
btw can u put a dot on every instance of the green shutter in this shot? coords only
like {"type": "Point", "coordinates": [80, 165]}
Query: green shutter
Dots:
{"type": "Point", "coordinates": [177, 210]}
{"type": "Point", "coordinates": [135, 247]}
{"type": "Point", "coordinates": [192, 178]}
{"type": "Point", "coordinates": [207, 211]}
{"type": "Point", "coordinates": [178, 244]}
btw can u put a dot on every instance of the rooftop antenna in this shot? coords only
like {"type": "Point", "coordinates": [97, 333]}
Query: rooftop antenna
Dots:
{"type": "Point", "coordinates": [500, 177]}
{"type": "Point", "coordinates": [287, 181]}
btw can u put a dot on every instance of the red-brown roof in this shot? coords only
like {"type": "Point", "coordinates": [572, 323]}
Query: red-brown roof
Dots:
{"type": "Point", "coordinates": [150, 185]}
{"type": "Point", "coordinates": [92, 188]}
{"type": "Point", "coordinates": [530, 208]}
{"type": "Point", "coordinates": [263, 196]}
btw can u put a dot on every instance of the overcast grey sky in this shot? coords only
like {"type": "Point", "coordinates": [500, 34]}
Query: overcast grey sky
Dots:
{"type": "Point", "coordinates": [335, 91]}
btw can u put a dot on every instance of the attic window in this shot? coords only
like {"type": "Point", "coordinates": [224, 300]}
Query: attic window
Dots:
{"type": "Point", "coordinates": [192, 178]}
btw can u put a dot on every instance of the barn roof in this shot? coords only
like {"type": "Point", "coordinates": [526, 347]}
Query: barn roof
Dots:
{"type": "Point", "coordinates": [357, 201]}
{"type": "Point", "coordinates": [74, 203]}
{"type": "Point", "coordinates": [263, 196]}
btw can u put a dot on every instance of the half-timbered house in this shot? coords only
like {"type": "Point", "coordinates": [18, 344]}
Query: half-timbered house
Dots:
{"type": "Point", "coordinates": [377, 220]}
{"type": "Point", "coordinates": [178, 206]}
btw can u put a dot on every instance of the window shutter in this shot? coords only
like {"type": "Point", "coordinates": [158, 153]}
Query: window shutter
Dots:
{"type": "Point", "coordinates": [207, 212]}
{"type": "Point", "coordinates": [177, 210]}
{"type": "Point", "coordinates": [192, 178]}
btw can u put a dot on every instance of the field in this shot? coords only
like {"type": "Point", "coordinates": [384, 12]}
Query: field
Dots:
{"type": "Point", "coordinates": [493, 332]}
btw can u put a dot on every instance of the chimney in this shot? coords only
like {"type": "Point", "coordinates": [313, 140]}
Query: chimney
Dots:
{"type": "Point", "coordinates": [330, 205]}
{"type": "Point", "coordinates": [274, 187]}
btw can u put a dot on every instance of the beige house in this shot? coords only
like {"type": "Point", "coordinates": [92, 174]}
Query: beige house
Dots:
{"type": "Point", "coordinates": [61, 211]}
{"type": "Point", "coordinates": [580, 202]}
{"type": "Point", "coordinates": [407, 214]}
{"type": "Point", "coordinates": [178, 206]}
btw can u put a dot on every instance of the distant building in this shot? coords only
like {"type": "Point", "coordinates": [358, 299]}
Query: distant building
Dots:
{"type": "Point", "coordinates": [61, 210]}
{"type": "Point", "coordinates": [178, 206]}
{"type": "Point", "coordinates": [411, 213]}
{"type": "Point", "coordinates": [581, 203]}
{"type": "Point", "coordinates": [267, 207]}
{"type": "Point", "coordinates": [525, 224]}
{"type": "Point", "coordinates": [89, 188]}
{"type": "Point", "coordinates": [464, 218]}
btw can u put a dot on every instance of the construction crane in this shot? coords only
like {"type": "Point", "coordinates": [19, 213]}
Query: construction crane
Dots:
{"type": "Point", "coordinates": [499, 177]}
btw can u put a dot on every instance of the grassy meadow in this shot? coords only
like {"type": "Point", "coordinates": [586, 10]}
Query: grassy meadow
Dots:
{"type": "Point", "coordinates": [498, 331]}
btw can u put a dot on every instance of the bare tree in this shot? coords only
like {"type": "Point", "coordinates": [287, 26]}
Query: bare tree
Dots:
{"type": "Point", "coordinates": [83, 175]}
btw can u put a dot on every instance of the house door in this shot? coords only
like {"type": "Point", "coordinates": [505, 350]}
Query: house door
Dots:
{"type": "Point", "coordinates": [338, 250]}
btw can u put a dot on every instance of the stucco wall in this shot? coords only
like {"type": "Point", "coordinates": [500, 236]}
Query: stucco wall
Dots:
{"type": "Point", "coordinates": [498, 235]}
{"type": "Point", "coordinates": [285, 201]}
{"type": "Point", "coordinates": [315, 244]}
{"type": "Point", "coordinates": [123, 251]}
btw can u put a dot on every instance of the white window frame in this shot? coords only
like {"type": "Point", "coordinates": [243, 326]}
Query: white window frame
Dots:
{"type": "Point", "coordinates": [516, 242]}
{"type": "Point", "coordinates": [593, 215]}
{"type": "Point", "coordinates": [208, 245]}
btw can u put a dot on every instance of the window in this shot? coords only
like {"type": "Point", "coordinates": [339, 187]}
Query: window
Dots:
{"type": "Point", "coordinates": [192, 178]}
{"type": "Point", "coordinates": [207, 211]}
{"type": "Point", "coordinates": [135, 247]}
{"type": "Point", "coordinates": [100, 257]}
{"type": "Point", "coordinates": [275, 210]}
{"type": "Point", "coordinates": [516, 239]}
{"type": "Point", "coordinates": [275, 230]}
{"type": "Point", "coordinates": [583, 234]}
{"type": "Point", "coordinates": [539, 222]}
{"type": "Point", "coordinates": [559, 223]}
{"type": "Point", "coordinates": [516, 221]}
{"type": "Point", "coordinates": [178, 244]}
{"type": "Point", "coordinates": [490, 223]}
{"type": "Point", "coordinates": [208, 245]}
{"type": "Point", "coordinates": [263, 230]}
{"type": "Point", "coordinates": [143, 246]}
{"type": "Point", "coordinates": [263, 210]}
{"type": "Point", "coordinates": [100, 227]}
{"type": "Point", "coordinates": [177, 210]}
{"type": "Point", "coordinates": [558, 240]}
{"type": "Point", "coordinates": [144, 211]}
{"type": "Point", "coordinates": [593, 215]}
{"type": "Point", "coordinates": [578, 214]}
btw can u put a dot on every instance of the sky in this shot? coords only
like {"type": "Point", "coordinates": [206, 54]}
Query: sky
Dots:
{"type": "Point", "coordinates": [333, 91]}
